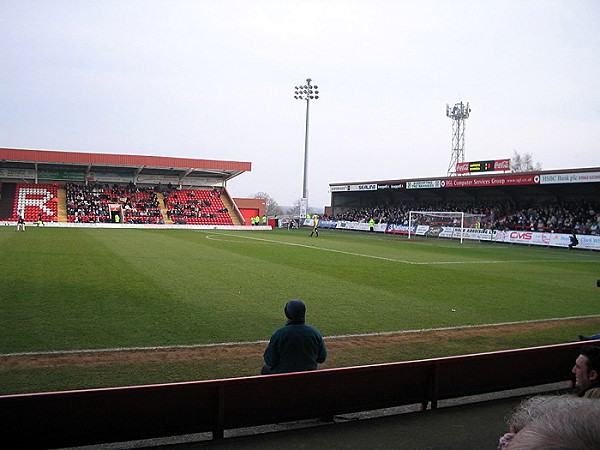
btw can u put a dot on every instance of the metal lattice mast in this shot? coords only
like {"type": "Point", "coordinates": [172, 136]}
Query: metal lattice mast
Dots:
{"type": "Point", "coordinates": [458, 113]}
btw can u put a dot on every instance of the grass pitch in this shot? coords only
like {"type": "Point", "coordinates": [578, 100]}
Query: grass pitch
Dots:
{"type": "Point", "coordinates": [65, 289]}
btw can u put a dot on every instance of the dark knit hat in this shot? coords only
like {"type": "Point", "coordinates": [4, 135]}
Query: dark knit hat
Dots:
{"type": "Point", "coordinates": [295, 310]}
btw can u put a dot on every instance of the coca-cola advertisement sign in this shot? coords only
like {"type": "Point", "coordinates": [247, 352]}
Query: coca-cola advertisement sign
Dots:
{"type": "Point", "coordinates": [462, 167]}
{"type": "Point", "coordinates": [502, 164]}
{"type": "Point", "coordinates": [483, 166]}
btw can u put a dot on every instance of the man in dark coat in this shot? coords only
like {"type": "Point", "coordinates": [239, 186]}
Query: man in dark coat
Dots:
{"type": "Point", "coordinates": [295, 347]}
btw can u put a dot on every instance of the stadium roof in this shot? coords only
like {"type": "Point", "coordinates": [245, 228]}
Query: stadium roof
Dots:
{"type": "Point", "coordinates": [555, 176]}
{"type": "Point", "coordinates": [580, 183]}
{"type": "Point", "coordinates": [136, 167]}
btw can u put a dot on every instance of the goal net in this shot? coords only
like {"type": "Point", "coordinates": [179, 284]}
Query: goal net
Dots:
{"type": "Point", "coordinates": [441, 223]}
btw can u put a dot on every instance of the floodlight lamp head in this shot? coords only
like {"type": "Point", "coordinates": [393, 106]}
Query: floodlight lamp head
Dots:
{"type": "Point", "coordinates": [306, 92]}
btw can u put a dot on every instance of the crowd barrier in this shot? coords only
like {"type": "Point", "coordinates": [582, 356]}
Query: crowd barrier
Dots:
{"type": "Point", "coordinates": [98, 416]}
{"type": "Point", "coordinates": [547, 239]}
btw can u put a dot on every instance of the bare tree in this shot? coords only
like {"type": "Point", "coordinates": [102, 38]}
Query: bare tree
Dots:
{"type": "Point", "coordinates": [296, 208]}
{"type": "Point", "coordinates": [524, 163]}
{"type": "Point", "coordinates": [272, 206]}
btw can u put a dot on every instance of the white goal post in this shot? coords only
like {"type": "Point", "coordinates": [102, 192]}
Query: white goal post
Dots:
{"type": "Point", "coordinates": [456, 219]}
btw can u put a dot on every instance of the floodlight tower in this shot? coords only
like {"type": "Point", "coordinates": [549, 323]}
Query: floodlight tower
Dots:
{"type": "Point", "coordinates": [458, 113]}
{"type": "Point", "coordinates": [306, 92]}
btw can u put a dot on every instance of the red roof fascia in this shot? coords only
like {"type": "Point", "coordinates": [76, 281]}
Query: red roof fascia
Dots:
{"type": "Point", "coordinates": [50, 156]}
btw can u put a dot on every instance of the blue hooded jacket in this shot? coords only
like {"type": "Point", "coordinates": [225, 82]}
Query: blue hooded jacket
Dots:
{"type": "Point", "coordinates": [295, 347]}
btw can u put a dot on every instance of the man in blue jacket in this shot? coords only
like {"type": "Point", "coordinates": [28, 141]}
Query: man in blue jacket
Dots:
{"type": "Point", "coordinates": [295, 347]}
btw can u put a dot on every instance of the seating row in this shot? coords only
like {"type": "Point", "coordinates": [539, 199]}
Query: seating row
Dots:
{"type": "Point", "coordinates": [197, 207]}
{"type": "Point", "coordinates": [38, 201]}
{"type": "Point", "coordinates": [90, 204]}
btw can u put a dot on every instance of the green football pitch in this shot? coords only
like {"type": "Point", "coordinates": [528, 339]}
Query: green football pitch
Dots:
{"type": "Point", "coordinates": [78, 289]}
{"type": "Point", "coordinates": [65, 289]}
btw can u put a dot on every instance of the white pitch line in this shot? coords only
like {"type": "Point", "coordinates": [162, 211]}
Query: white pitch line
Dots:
{"type": "Point", "coordinates": [383, 258]}
{"type": "Point", "coordinates": [129, 349]}
{"type": "Point", "coordinates": [294, 244]}
{"type": "Point", "coordinates": [465, 327]}
{"type": "Point", "coordinates": [344, 336]}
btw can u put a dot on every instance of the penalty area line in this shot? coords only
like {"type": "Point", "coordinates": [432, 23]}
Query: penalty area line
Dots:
{"type": "Point", "coordinates": [240, 343]}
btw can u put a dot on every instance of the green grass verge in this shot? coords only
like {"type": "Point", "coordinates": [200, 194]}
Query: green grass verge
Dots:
{"type": "Point", "coordinates": [44, 379]}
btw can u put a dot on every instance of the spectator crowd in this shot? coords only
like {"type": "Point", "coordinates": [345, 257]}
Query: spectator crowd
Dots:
{"type": "Point", "coordinates": [90, 203]}
{"type": "Point", "coordinates": [581, 217]}
{"type": "Point", "coordinates": [196, 206]}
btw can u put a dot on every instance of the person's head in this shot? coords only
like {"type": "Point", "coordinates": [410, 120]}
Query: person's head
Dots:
{"type": "Point", "coordinates": [295, 310]}
{"type": "Point", "coordinates": [534, 407]}
{"type": "Point", "coordinates": [565, 423]}
{"type": "Point", "coordinates": [587, 367]}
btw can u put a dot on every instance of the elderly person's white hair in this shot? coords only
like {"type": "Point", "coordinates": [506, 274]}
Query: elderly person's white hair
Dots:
{"type": "Point", "coordinates": [557, 423]}
{"type": "Point", "coordinates": [534, 407]}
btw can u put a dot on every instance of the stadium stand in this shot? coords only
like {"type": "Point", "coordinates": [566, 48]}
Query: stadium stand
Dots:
{"type": "Point", "coordinates": [140, 205]}
{"type": "Point", "coordinates": [36, 200]}
{"type": "Point", "coordinates": [561, 217]}
{"type": "Point", "coordinates": [197, 207]}
{"type": "Point", "coordinates": [87, 203]}
{"type": "Point", "coordinates": [90, 203]}
{"type": "Point", "coordinates": [98, 416]}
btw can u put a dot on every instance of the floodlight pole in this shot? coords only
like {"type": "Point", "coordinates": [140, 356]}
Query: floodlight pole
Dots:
{"type": "Point", "coordinates": [305, 176]}
{"type": "Point", "coordinates": [307, 92]}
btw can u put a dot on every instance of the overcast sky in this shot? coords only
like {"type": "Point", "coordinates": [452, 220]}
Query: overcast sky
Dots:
{"type": "Point", "coordinates": [215, 80]}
